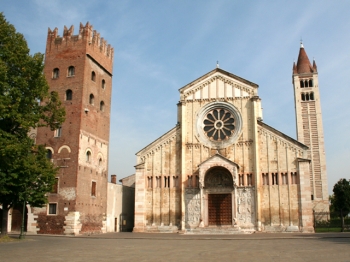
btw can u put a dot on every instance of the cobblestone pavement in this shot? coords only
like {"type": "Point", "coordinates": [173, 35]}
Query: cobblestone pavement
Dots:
{"type": "Point", "coordinates": [176, 247]}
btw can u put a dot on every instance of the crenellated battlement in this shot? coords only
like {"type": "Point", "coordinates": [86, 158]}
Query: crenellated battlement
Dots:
{"type": "Point", "coordinates": [87, 37]}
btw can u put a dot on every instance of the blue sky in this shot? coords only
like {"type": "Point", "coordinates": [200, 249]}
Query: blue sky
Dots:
{"type": "Point", "coordinates": [160, 46]}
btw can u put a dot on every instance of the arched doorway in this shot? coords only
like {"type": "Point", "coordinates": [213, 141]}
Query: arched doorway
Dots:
{"type": "Point", "coordinates": [17, 217]}
{"type": "Point", "coordinates": [218, 184]}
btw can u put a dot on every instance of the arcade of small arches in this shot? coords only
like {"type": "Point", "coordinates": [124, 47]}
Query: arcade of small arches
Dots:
{"type": "Point", "coordinates": [244, 180]}
{"type": "Point", "coordinates": [88, 157]}
{"type": "Point", "coordinates": [50, 151]}
{"type": "Point", "coordinates": [279, 178]}
{"type": "Point", "coordinates": [308, 96]}
{"type": "Point", "coordinates": [306, 83]}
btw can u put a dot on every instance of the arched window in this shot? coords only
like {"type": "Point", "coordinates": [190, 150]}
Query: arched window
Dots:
{"type": "Point", "coordinates": [302, 96]}
{"type": "Point", "coordinates": [88, 156]}
{"type": "Point", "coordinates": [71, 71]}
{"type": "Point", "coordinates": [55, 73]}
{"type": "Point", "coordinates": [48, 154]}
{"type": "Point", "coordinates": [102, 106]}
{"type": "Point", "coordinates": [312, 96]}
{"type": "Point", "coordinates": [311, 84]}
{"type": "Point", "coordinates": [306, 83]}
{"type": "Point", "coordinates": [91, 99]}
{"type": "Point", "coordinates": [69, 95]}
{"type": "Point", "coordinates": [307, 97]}
{"type": "Point", "coordinates": [301, 83]}
{"type": "Point", "coordinates": [103, 84]}
{"type": "Point", "coordinates": [100, 161]}
{"type": "Point", "coordinates": [93, 76]}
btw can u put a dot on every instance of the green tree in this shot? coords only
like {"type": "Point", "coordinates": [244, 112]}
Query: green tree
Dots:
{"type": "Point", "coordinates": [341, 198]}
{"type": "Point", "coordinates": [25, 103]}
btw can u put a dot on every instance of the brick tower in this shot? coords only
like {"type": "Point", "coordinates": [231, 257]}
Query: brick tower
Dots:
{"type": "Point", "coordinates": [309, 126]}
{"type": "Point", "coordinates": [79, 67]}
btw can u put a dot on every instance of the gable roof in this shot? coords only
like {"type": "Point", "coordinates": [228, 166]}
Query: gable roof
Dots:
{"type": "Point", "coordinates": [282, 135]}
{"type": "Point", "coordinates": [159, 140]}
{"type": "Point", "coordinates": [218, 70]}
{"type": "Point", "coordinates": [217, 155]}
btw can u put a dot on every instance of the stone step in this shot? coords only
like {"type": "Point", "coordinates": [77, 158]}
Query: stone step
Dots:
{"type": "Point", "coordinates": [217, 231]}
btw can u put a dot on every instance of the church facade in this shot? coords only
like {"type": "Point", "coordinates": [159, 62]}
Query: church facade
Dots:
{"type": "Point", "coordinates": [222, 168]}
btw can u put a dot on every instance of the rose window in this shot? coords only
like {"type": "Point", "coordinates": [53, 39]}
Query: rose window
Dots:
{"type": "Point", "coordinates": [219, 124]}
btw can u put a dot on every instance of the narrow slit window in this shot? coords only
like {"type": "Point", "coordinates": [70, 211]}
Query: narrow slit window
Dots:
{"type": "Point", "coordinates": [150, 180]}
{"type": "Point", "coordinates": [250, 179]}
{"type": "Point", "coordinates": [102, 106]}
{"type": "Point", "coordinates": [241, 180]}
{"type": "Point", "coordinates": [265, 179]}
{"type": "Point", "coordinates": [93, 188]}
{"type": "Point", "coordinates": [91, 99]}
{"type": "Point", "coordinates": [58, 132]}
{"type": "Point", "coordinates": [93, 76]}
{"type": "Point", "coordinates": [294, 178]}
{"type": "Point", "coordinates": [284, 179]}
{"type": "Point", "coordinates": [274, 179]}
{"type": "Point", "coordinates": [88, 156]}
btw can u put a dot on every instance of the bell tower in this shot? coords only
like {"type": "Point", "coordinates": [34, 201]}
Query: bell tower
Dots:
{"type": "Point", "coordinates": [309, 126]}
{"type": "Point", "coordinates": [79, 68]}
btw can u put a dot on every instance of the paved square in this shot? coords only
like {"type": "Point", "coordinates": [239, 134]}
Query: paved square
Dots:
{"type": "Point", "coordinates": [175, 247]}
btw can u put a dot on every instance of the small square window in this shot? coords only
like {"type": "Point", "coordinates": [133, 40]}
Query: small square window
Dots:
{"type": "Point", "coordinates": [52, 208]}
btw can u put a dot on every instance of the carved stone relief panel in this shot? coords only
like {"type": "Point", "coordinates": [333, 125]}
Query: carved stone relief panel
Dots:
{"type": "Point", "coordinates": [218, 178]}
{"type": "Point", "coordinates": [218, 190]}
{"type": "Point", "coordinates": [193, 207]}
{"type": "Point", "coordinates": [245, 207]}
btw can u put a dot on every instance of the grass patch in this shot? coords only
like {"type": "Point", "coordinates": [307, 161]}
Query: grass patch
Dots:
{"type": "Point", "coordinates": [328, 229]}
{"type": "Point", "coordinates": [6, 239]}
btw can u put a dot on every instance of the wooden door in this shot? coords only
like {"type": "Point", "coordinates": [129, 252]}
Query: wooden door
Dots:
{"type": "Point", "coordinates": [220, 209]}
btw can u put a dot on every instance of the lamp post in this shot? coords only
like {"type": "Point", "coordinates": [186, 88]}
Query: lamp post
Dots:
{"type": "Point", "coordinates": [22, 235]}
